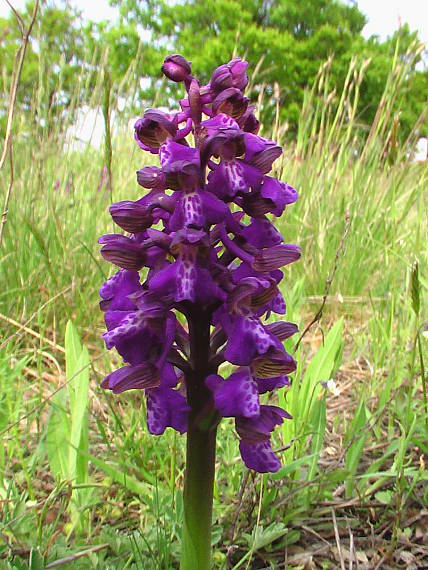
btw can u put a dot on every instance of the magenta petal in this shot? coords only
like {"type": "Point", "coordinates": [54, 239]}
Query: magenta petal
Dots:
{"type": "Point", "coordinates": [259, 457]}
{"type": "Point", "coordinates": [261, 233]}
{"type": "Point", "coordinates": [259, 428]}
{"type": "Point", "coordinates": [166, 407]}
{"type": "Point", "coordinates": [116, 290]}
{"type": "Point", "coordinates": [248, 338]}
{"type": "Point", "coordinates": [172, 152]}
{"type": "Point", "coordinates": [278, 194]}
{"type": "Point", "coordinates": [268, 384]}
{"type": "Point", "coordinates": [236, 396]}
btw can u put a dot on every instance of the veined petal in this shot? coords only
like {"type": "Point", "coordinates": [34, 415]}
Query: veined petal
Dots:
{"type": "Point", "coordinates": [274, 362]}
{"type": "Point", "coordinates": [153, 129]}
{"type": "Point", "coordinates": [132, 378]}
{"type": "Point", "coordinates": [230, 102]}
{"type": "Point", "coordinates": [282, 329]}
{"type": "Point", "coordinates": [275, 257]}
{"type": "Point", "coordinates": [122, 251]}
{"type": "Point", "coordinates": [261, 152]}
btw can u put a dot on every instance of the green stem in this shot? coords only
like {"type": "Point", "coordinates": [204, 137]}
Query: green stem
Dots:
{"type": "Point", "coordinates": [198, 500]}
{"type": "Point", "coordinates": [200, 455]}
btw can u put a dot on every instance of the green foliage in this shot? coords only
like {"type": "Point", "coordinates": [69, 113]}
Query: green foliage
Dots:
{"type": "Point", "coordinates": [286, 41]}
{"type": "Point", "coordinates": [52, 67]}
{"type": "Point", "coordinates": [67, 436]}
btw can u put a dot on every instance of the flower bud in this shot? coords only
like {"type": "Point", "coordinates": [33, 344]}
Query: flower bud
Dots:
{"type": "Point", "coordinates": [176, 67]}
{"type": "Point", "coordinates": [151, 177]}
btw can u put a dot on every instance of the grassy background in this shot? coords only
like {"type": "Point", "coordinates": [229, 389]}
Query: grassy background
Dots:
{"type": "Point", "coordinates": [354, 483]}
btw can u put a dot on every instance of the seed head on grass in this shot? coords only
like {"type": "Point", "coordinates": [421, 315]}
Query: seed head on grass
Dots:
{"type": "Point", "coordinates": [211, 254]}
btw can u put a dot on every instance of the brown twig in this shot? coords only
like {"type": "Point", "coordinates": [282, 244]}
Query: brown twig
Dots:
{"type": "Point", "coordinates": [337, 536]}
{"type": "Point", "coordinates": [239, 505]}
{"type": "Point", "coordinates": [16, 75]}
{"type": "Point", "coordinates": [32, 332]}
{"type": "Point", "coordinates": [76, 556]}
{"type": "Point", "coordinates": [328, 281]}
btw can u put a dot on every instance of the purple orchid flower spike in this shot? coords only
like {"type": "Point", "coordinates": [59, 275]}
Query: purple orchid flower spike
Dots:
{"type": "Point", "coordinates": [204, 236]}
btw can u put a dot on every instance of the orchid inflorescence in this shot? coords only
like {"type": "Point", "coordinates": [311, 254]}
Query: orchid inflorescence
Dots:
{"type": "Point", "coordinates": [212, 258]}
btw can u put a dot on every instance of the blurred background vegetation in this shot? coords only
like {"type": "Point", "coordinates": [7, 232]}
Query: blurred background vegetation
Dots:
{"type": "Point", "coordinates": [285, 41]}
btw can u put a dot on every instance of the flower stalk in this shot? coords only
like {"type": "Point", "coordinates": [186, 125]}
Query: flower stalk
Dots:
{"type": "Point", "coordinates": [200, 450]}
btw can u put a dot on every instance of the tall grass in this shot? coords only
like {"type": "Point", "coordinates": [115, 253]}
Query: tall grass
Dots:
{"type": "Point", "coordinates": [363, 439]}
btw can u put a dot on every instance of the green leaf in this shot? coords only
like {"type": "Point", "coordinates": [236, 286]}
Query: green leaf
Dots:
{"type": "Point", "coordinates": [77, 375]}
{"type": "Point", "coordinates": [415, 288]}
{"type": "Point", "coordinates": [358, 434]}
{"type": "Point", "coordinates": [58, 437]}
{"type": "Point", "coordinates": [318, 422]}
{"type": "Point", "coordinates": [79, 419]}
{"type": "Point", "coordinates": [384, 497]}
{"type": "Point", "coordinates": [262, 537]}
{"type": "Point", "coordinates": [36, 560]}
{"type": "Point", "coordinates": [130, 483]}
{"type": "Point", "coordinates": [321, 366]}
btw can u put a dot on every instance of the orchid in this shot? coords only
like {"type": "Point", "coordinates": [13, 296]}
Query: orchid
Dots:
{"type": "Point", "coordinates": [204, 235]}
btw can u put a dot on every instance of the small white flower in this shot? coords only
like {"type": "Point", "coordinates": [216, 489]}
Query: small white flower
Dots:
{"type": "Point", "coordinates": [332, 387]}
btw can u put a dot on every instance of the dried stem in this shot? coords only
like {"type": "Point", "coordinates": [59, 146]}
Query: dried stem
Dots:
{"type": "Point", "coordinates": [16, 75]}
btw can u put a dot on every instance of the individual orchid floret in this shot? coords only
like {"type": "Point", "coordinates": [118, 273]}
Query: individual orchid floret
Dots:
{"type": "Point", "coordinates": [232, 74]}
{"type": "Point", "coordinates": [153, 129]}
{"type": "Point", "coordinates": [230, 102]}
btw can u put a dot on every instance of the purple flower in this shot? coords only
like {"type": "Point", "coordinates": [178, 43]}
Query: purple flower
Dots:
{"type": "Point", "coordinates": [210, 254]}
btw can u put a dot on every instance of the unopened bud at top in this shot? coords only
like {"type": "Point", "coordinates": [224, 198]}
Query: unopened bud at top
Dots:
{"type": "Point", "coordinates": [176, 67]}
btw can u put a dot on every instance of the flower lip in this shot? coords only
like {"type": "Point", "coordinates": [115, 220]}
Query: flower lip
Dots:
{"type": "Point", "coordinates": [176, 67]}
